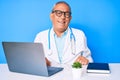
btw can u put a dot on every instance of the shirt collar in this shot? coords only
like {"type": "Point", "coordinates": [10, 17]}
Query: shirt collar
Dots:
{"type": "Point", "coordinates": [64, 34]}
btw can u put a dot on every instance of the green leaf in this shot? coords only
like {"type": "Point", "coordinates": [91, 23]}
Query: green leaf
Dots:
{"type": "Point", "coordinates": [77, 65]}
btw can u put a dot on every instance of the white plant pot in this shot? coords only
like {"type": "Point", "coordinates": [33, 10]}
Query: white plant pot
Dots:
{"type": "Point", "coordinates": [77, 73]}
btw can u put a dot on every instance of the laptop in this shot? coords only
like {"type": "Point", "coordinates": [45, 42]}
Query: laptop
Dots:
{"type": "Point", "coordinates": [28, 58]}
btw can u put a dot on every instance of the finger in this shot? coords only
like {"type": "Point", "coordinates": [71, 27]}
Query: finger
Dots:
{"type": "Point", "coordinates": [82, 60]}
{"type": "Point", "coordinates": [48, 62]}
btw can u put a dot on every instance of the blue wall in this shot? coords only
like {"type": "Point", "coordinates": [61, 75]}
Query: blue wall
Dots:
{"type": "Point", "coordinates": [21, 20]}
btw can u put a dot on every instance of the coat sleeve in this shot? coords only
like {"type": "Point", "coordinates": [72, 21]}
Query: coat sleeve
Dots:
{"type": "Point", "coordinates": [87, 52]}
{"type": "Point", "coordinates": [81, 45]}
{"type": "Point", "coordinates": [37, 38]}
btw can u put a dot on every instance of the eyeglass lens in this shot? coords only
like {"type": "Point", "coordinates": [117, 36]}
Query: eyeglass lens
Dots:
{"type": "Point", "coordinates": [59, 13]}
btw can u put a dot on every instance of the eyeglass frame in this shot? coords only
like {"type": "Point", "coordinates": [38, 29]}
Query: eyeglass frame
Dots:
{"type": "Point", "coordinates": [55, 11]}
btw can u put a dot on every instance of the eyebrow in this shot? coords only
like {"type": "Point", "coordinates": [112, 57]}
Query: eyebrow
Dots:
{"type": "Point", "coordinates": [61, 11]}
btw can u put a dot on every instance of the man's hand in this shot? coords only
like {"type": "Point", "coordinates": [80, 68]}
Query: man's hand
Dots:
{"type": "Point", "coordinates": [48, 62]}
{"type": "Point", "coordinates": [82, 60]}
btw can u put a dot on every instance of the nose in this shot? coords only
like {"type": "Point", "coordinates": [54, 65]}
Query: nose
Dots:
{"type": "Point", "coordinates": [63, 16]}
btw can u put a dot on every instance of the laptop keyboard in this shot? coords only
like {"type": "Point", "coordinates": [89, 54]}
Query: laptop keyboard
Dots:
{"type": "Point", "coordinates": [53, 70]}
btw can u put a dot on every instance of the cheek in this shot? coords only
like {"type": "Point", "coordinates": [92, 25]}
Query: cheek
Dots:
{"type": "Point", "coordinates": [67, 22]}
{"type": "Point", "coordinates": [54, 19]}
{"type": "Point", "coordinates": [54, 22]}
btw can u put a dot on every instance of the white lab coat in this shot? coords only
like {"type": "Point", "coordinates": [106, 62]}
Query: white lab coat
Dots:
{"type": "Point", "coordinates": [68, 57]}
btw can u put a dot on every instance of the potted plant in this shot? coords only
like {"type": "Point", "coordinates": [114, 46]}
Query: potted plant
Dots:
{"type": "Point", "coordinates": [76, 70]}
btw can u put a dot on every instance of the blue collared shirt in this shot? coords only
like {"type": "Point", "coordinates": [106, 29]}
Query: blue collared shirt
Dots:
{"type": "Point", "coordinates": [60, 41]}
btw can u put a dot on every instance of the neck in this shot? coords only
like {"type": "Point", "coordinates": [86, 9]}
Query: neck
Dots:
{"type": "Point", "coordinates": [59, 34]}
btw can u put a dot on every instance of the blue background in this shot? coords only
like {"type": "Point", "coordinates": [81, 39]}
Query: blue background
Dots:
{"type": "Point", "coordinates": [21, 20]}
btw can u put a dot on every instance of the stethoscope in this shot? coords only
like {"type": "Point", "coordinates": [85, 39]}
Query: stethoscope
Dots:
{"type": "Point", "coordinates": [72, 40]}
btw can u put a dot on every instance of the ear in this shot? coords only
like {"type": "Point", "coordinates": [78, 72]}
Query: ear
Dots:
{"type": "Point", "coordinates": [51, 16]}
{"type": "Point", "coordinates": [70, 17]}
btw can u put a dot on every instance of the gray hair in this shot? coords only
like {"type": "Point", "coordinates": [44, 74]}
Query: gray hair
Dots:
{"type": "Point", "coordinates": [62, 2]}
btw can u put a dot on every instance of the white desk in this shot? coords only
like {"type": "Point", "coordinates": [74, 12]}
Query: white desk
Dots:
{"type": "Point", "coordinates": [66, 74]}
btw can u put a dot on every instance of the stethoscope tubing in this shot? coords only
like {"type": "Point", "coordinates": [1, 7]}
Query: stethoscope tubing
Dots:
{"type": "Point", "coordinates": [72, 39]}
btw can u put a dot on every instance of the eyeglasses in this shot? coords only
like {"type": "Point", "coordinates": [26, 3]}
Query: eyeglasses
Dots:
{"type": "Point", "coordinates": [59, 13]}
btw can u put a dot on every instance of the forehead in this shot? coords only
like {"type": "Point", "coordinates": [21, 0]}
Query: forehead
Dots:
{"type": "Point", "coordinates": [62, 7]}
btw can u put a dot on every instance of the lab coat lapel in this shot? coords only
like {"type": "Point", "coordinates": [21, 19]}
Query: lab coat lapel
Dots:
{"type": "Point", "coordinates": [67, 42]}
{"type": "Point", "coordinates": [54, 55]}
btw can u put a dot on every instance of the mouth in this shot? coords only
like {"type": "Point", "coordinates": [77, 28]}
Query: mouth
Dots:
{"type": "Point", "coordinates": [61, 22]}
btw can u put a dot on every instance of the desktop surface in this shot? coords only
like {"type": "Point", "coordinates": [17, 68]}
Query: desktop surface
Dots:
{"type": "Point", "coordinates": [66, 74]}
